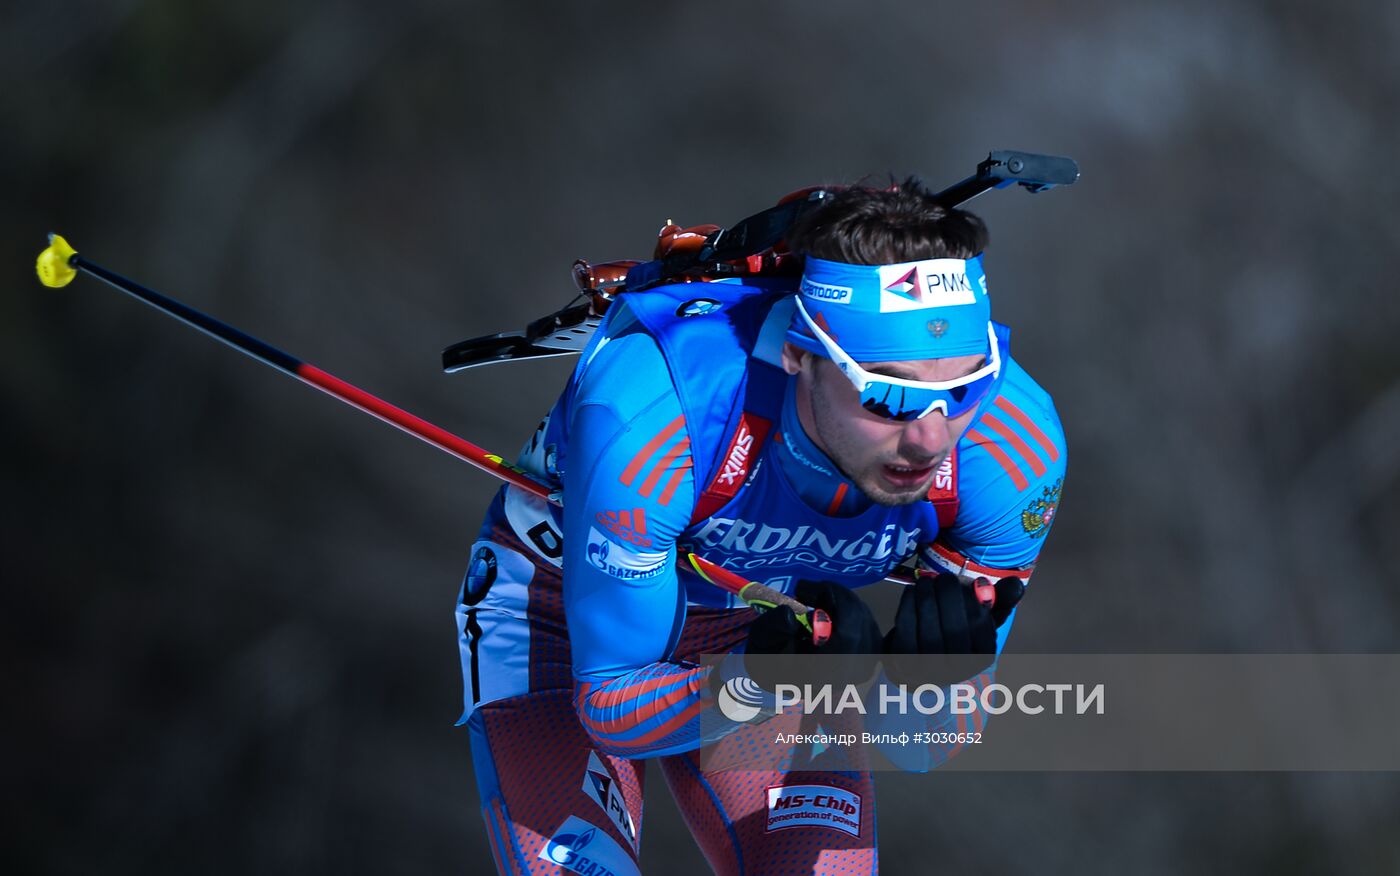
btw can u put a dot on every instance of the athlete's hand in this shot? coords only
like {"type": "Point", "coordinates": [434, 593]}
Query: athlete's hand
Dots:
{"type": "Point", "coordinates": [853, 627]}
{"type": "Point", "coordinates": [941, 614]}
{"type": "Point", "coordinates": [777, 631]}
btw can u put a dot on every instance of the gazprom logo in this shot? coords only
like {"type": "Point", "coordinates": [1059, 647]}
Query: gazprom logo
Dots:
{"type": "Point", "coordinates": [619, 562]}
{"type": "Point", "coordinates": [825, 292]}
{"type": "Point", "coordinates": [581, 847]}
{"type": "Point", "coordinates": [565, 847]}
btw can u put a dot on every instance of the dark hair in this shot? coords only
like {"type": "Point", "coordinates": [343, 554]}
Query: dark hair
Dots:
{"type": "Point", "coordinates": [862, 225]}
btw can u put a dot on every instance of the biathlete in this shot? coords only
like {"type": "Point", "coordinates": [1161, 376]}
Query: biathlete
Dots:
{"type": "Point", "coordinates": [806, 433]}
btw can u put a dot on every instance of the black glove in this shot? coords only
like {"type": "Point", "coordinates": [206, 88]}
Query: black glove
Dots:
{"type": "Point", "coordinates": [941, 615]}
{"type": "Point", "coordinates": [777, 631]}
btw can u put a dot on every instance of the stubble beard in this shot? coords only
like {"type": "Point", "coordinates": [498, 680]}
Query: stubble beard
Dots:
{"type": "Point", "coordinates": [844, 452]}
{"type": "Point", "coordinates": [870, 486]}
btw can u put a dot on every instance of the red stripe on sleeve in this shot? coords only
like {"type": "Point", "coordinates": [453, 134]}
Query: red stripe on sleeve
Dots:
{"type": "Point", "coordinates": [590, 698]}
{"type": "Point", "coordinates": [634, 467]}
{"type": "Point", "coordinates": [640, 714]}
{"type": "Point", "coordinates": [1009, 434]}
{"type": "Point", "coordinates": [607, 697]}
{"type": "Point", "coordinates": [1007, 463]}
{"type": "Point", "coordinates": [673, 484]}
{"type": "Point", "coordinates": [659, 469]}
{"type": "Point", "coordinates": [669, 727]}
{"type": "Point", "coordinates": [1029, 425]}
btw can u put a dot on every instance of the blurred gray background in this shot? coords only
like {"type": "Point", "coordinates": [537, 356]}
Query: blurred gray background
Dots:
{"type": "Point", "coordinates": [229, 599]}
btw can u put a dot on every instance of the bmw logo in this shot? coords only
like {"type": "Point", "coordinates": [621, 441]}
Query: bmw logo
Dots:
{"type": "Point", "coordinates": [698, 307]}
{"type": "Point", "coordinates": [481, 574]}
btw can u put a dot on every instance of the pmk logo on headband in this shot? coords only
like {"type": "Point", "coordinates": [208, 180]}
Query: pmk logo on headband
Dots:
{"type": "Point", "coordinates": [925, 284]}
{"type": "Point", "coordinates": [825, 292]}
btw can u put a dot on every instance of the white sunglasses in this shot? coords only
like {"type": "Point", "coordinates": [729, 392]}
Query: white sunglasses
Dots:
{"type": "Point", "coordinates": [895, 398]}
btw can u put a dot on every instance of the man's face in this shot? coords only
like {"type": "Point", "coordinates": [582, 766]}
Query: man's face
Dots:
{"type": "Point", "coordinates": [892, 462]}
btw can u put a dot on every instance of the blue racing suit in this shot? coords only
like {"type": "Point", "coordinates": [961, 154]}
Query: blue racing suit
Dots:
{"type": "Point", "coordinates": [679, 427]}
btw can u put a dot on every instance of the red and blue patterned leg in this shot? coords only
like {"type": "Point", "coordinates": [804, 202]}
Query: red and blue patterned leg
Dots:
{"type": "Point", "coordinates": [776, 822]}
{"type": "Point", "coordinates": [768, 820]}
{"type": "Point", "coordinates": [551, 802]}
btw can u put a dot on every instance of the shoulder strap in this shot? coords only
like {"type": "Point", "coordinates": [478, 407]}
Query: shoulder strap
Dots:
{"type": "Point", "coordinates": [706, 332]}
{"type": "Point", "coordinates": [752, 422]}
{"type": "Point", "coordinates": [732, 468]}
{"type": "Point", "coordinates": [944, 492]}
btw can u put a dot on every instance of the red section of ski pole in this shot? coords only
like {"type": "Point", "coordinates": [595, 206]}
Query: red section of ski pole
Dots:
{"type": "Point", "coordinates": [399, 418]}
{"type": "Point", "coordinates": [421, 428]}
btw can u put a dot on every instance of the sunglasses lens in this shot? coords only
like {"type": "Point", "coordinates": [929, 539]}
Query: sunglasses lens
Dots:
{"type": "Point", "coordinates": [905, 403]}
{"type": "Point", "coordinates": [881, 409]}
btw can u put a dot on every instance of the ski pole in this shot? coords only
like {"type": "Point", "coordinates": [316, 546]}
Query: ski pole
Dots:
{"type": "Point", "coordinates": [59, 263]}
